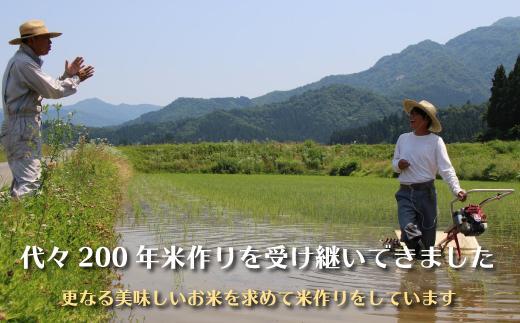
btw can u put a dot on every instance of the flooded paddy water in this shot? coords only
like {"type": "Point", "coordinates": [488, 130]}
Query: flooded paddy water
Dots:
{"type": "Point", "coordinates": [164, 214]}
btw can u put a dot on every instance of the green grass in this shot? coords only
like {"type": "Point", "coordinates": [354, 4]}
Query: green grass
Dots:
{"type": "Point", "coordinates": [490, 161]}
{"type": "Point", "coordinates": [78, 206]}
{"type": "Point", "coordinates": [313, 199]}
{"type": "Point", "coordinates": [3, 158]}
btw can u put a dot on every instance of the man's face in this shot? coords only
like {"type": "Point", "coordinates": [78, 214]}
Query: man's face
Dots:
{"type": "Point", "coordinates": [41, 45]}
{"type": "Point", "coordinates": [417, 121]}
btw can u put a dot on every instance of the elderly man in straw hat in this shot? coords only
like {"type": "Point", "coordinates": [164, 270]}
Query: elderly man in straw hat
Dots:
{"type": "Point", "coordinates": [24, 86]}
{"type": "Point", "coordinates": [419, 155]}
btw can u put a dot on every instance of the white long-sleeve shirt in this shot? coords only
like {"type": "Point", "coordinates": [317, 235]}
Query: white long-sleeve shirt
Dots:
{"type": "Point", "coordinates": [427, 156]}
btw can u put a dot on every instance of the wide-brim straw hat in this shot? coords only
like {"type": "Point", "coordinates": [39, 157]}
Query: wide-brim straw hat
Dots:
{"type": "Point", "coordinates": [427, 107]}
{"type": "Point", "coordinates": [32, 28]}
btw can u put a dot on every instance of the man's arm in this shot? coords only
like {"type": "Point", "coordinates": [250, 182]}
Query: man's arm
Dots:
{"type": "Point", "coordinates": [398, 163]}
{"type": "Point", "coordinates": [447, 171]}
{"type": "Point", "coordinates": [44, 84]}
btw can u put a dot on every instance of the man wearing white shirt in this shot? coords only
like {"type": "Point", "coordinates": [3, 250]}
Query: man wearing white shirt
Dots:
{"type": "Point", "coordinates": [419, 155]}
{"type": "Point", "coordinates": [24, 85]}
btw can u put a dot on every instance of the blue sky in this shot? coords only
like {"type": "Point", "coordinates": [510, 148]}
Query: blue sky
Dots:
{"type": "Point", "coordinates": [156, 51]}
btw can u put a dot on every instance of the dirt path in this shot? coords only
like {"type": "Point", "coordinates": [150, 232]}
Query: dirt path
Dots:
{"type": "Point", "coordinates": [5, 174]}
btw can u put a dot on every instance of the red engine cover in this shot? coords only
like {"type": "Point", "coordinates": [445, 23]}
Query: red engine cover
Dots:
{"type": "Point", "coordinates": [476, 212]}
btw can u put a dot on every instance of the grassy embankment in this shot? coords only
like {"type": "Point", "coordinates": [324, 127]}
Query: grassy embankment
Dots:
{"type": "Point", "coordinates": [77, 207]}
{"type": "Point", "coordinates": [491, 161]}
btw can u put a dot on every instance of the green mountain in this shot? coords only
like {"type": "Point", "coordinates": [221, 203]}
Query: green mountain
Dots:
{"type": "Point", "coordinates": [454, 73]}
{"type": "Point", "coordinates": [183, 108]}
{"type": "Point", "coordinates": [484, 48]}
{"type": "Point", "coordinates": [446, 74]}
{"type": "Point", "coordinates": [312, 115]}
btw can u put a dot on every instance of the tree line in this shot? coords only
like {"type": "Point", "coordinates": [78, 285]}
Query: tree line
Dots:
{"type": "Point", "coordinates": [460, 124]}
{"type": "Point", "coordinates": [503, 113]}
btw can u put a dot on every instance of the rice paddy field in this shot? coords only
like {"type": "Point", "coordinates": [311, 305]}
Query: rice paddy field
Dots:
{"type": "Point", "coordinates": [265, 210]}
{"type": "Point", "coordinates": [315, 199]}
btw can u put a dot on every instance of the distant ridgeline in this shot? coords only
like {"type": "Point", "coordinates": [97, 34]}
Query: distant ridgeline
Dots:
{"type": "Point", "coordinates": [446, 74]}
{"type": "Point", "coordinates": [460, 124]}
{"type": "Point", "coordinates": [183, 108]}
{"type": "Point", "coordinates": [313, 114]}
{"type": "Point", "coordinates": [97, 113]}
{"type": "Point", "coordinates": [451, 74]}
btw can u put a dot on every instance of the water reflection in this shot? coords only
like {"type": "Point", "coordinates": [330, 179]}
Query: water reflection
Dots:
{"type": "Point", "coordinates": [419, 281]}
{"type": "Point", "coordinates": [480, 294]}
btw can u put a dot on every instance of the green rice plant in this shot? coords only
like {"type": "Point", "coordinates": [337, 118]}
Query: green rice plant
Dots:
{"type": "Point", "coordinates": [356, 201]}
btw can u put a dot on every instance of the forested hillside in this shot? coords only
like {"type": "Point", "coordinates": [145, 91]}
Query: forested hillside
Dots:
{"type": "Point", "coordinates": [183, 108]}
{"type": "Point", "coordinates": [460, 124]}
{"type": "Point", "coordinates": [313, 115]}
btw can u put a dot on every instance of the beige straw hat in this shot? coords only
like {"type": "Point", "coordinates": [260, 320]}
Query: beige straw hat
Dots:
{"type": "Point", "coordinates": [32, 28]}
{"type": "Point", "coordinates": [427, 107]}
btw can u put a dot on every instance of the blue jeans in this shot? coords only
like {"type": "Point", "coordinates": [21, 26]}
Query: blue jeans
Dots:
{"type": "Point", "coordinates": [417, 214]}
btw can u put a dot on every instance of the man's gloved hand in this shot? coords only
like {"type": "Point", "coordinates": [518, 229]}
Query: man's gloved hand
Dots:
{"type": "Point", "coordinates": [462, 195]}
{"type": "Point", "coordinates": [85, 73]}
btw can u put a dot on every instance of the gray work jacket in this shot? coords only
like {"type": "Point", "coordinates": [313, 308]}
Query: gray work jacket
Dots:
{"type": "Point", "coordinates": [24, 85]}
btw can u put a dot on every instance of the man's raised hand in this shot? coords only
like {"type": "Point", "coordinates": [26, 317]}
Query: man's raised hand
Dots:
{"type": "Point", "coordinates": [74, 68]}
{"type": "Point", "coordinates": [85, 73]}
